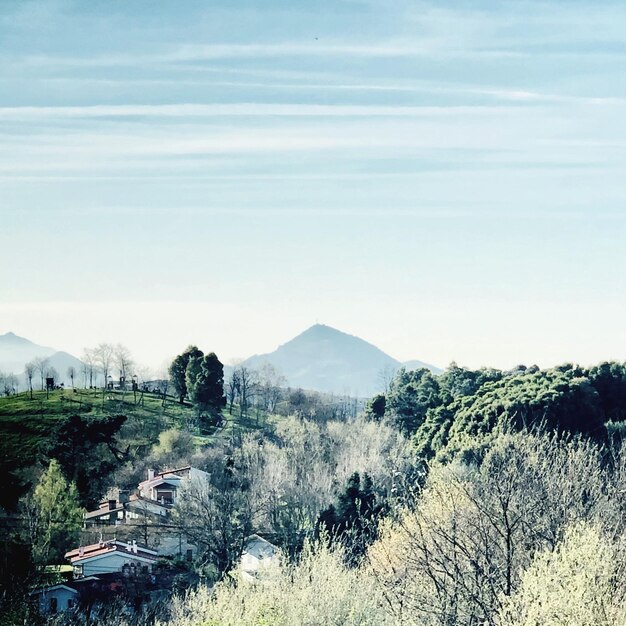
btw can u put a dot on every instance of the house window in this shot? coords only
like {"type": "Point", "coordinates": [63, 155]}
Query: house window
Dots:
{"type": "Point", "coordinates": [189, 555]}
{"type": "Point", "coordinates": [53, 605]}
{"type": "Point", "coordinates": [70, 603]}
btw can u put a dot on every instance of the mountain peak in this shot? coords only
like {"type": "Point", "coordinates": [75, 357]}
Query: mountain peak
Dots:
{"type": "Point", "coordinates": [12, 338]}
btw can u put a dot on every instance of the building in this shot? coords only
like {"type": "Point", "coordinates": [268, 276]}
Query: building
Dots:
{"type": "Point", "coordinates": [258, 558]}
{"type": "Point", "coordinates": [113, 556]}
{"type": "Point", "coordinates": [154, 498]}
{"type": "Point", "coordinates": [55, 599]}
{"type": "Point", "coordinates": [163, 487]}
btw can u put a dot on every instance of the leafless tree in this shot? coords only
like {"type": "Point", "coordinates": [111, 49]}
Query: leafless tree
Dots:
{"type": "Point", "coordinates": [271, 383]}
{"type": "Point", "coordinates": [248, 385]}
{"type": "Point", "coordinates": [29, 369]}
{"type": "Point", "coordinates": [71, 374]}
{"type": "Point", "coordinates": [89, 366]}
{"type": "Point", "coordinates": [104, 354]}
{"type": "Point", "coordinates": [8, 383]}
{"type": "Point", "coordinates": [460, 551]}
{"type": "Point", "coordinates": [41, 365]}
{"type": "Point", "coordinates": [232, 389]}
{"type": "Point", "coordinates": [123, 360]}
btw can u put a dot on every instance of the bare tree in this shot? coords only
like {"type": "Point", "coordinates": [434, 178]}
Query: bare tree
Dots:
{"type": "Point", "coordinates": [89, 366]}
{"type": "Point", "coordinates": [8, 384]}
{"type": "Point", "coordinates": [462, 548]}
{"type": "Point", "coordinates": [71, 374]}
{"type": "Point", "coordinates": [248, 384]}
{"type": "Point", "coordinates": [29, 369]}
{"type": "Point", "coordinates": [124, 361]}
{"type": "Point", "coordinates": [41, 365]}
{"type": "Point", "coordinates": [270, 383]}
{"type": "Point", "coordinates": [103, 354]}
{"type": "Point", "coordinates": [232, 389]}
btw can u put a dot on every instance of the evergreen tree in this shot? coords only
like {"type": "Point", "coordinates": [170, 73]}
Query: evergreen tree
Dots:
{"type": "Point", "coordinates": [205, 384]}
{"type": "Point", "coordinates": [178, 370]}
{"type": "Point", "coordinates": [353, 519]}
{"type": "Point", "coordinates": [56, 516]}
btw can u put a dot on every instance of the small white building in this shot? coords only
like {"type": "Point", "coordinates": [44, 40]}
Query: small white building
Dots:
{"type": "Point", "coordinates": [112, 556]}
{"type": "Point", "coordinates": [55, 599]}
{"type": "Point", "coordinates": [258, 558]}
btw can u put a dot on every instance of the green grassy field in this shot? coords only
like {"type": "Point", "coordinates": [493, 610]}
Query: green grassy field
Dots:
{"type": "Point", "coordinates": [27, 424]}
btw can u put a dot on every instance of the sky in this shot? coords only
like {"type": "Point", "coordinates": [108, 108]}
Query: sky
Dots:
{"type": "Point", "coordinates": [443, 179]}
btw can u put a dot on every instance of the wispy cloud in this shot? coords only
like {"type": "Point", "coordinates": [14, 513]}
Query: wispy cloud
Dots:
{"type": "Point", "coordinates": [238, 109]}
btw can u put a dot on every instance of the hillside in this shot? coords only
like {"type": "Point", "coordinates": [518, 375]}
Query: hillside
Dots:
{"type": "Point", "coordinates": [328, 360]}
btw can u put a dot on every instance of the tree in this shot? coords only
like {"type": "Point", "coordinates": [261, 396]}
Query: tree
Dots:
{"type": "Point", "coordinates": [248, 384]}
{"type": "Point", "coordinates": [232, 389]}
{"type": "Point", "coordinates": [580, 583]}
{"type": "Point", "coordinates": [89, 366]}
{"type": "Point", "coordinates": [71, 374]}
{"type": "Point", "coordinates": [178, 371]}
{"type": "Point", "coordinates": [270, 383]}
{"type": "Point", "coordinates": [124, 362]}
{"type": "Point", "coordinates": [29, 369]}
{"type": "Point", "coordinates": [205, 384]}
{"type": "Point", "coordinates": [376, 406]}
{"type": "Point", "coordinates": [41, 365]}
{"type": "Point", "coordinates": [460, 550]}
{"type": "Point", "coordinates": [55, 516]}
{"type": "Point", "coordinates": [214, 513]}
{"type": "Point", "coordinates": [86, 449]}
{"type": "Point", "coordinates": [316, 590]}
{"type": "Point", "coordinates": [103, 355]}
{"type": "Point", "coordinates": [410, 396]}
{"type": "Point", "coordinates": [354, 518]}
{"type": "Point", "coordinates": [8, 384]}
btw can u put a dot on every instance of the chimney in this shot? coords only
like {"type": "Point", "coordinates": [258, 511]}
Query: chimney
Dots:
{"type": "Point", "coordinates": [150, 474]}
{"type": "Point", "coordinates": [134, 547]}
{"type": "Point", "coordinates": [112, 504]}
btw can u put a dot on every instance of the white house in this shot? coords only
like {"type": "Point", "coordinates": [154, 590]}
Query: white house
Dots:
{"type": "Point", "coordinates": [55, 599]}
{"type": "Point", "coordinates": [259, 556]}
{"type": "Point", "coordinates": [112, 556]}
{"type": "Point", "coordinates": [154, 499]}
{"type": "Point", "coordinates": [163, 487]}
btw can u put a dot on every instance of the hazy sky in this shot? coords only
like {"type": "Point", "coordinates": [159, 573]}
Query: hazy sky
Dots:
{"type": "Point", "coordinates": [444, 179]}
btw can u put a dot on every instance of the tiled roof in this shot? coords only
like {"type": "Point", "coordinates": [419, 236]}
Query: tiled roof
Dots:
{"type": "Point", "coordinates": [98, 549]}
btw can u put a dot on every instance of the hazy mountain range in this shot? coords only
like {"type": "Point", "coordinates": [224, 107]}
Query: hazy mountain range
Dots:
{"type": "Point", "coordinates": [321, 358]}
{"type": "Point", "coordinates": [16, 351]}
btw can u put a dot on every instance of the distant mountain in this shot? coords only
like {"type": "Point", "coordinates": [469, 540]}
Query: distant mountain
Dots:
{"type": "Point", "coordinates": [416, 365]}
{"type": "Point", "coordinates": [16, 351]}
{"type": "Point", "coordinates": [328, 360]}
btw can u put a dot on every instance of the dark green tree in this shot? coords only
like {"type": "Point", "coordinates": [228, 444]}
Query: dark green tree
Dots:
{"type": "Point", "coordinates": [86, 449]}
{"type": "Point", "coordinates": [178, 371]}
{"type": "Point", "coordinates": [376, 406]}
{"type": "Point", "coordinates": [353, 518]}
{"type": "Point", "coordinates": [410, 396]}
{"type": "Point", "coordinates": [205, 384]}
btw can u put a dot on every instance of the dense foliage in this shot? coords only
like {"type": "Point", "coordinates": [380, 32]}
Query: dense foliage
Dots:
{"type": "Point", "coordinates": [447, 412]}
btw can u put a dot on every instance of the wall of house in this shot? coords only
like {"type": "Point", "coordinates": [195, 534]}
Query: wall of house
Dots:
{"type": "Point", "coordinates": [113, 562]}
{"type": "Point", "coordinates": [63, 599]}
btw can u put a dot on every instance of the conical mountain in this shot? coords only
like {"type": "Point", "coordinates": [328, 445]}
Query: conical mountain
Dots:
{"type": "Point", "coordinates": [328, 360]}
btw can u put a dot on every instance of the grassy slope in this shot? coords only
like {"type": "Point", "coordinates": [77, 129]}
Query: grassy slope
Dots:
{"type": "Point", "coordinates": [26, 424]}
